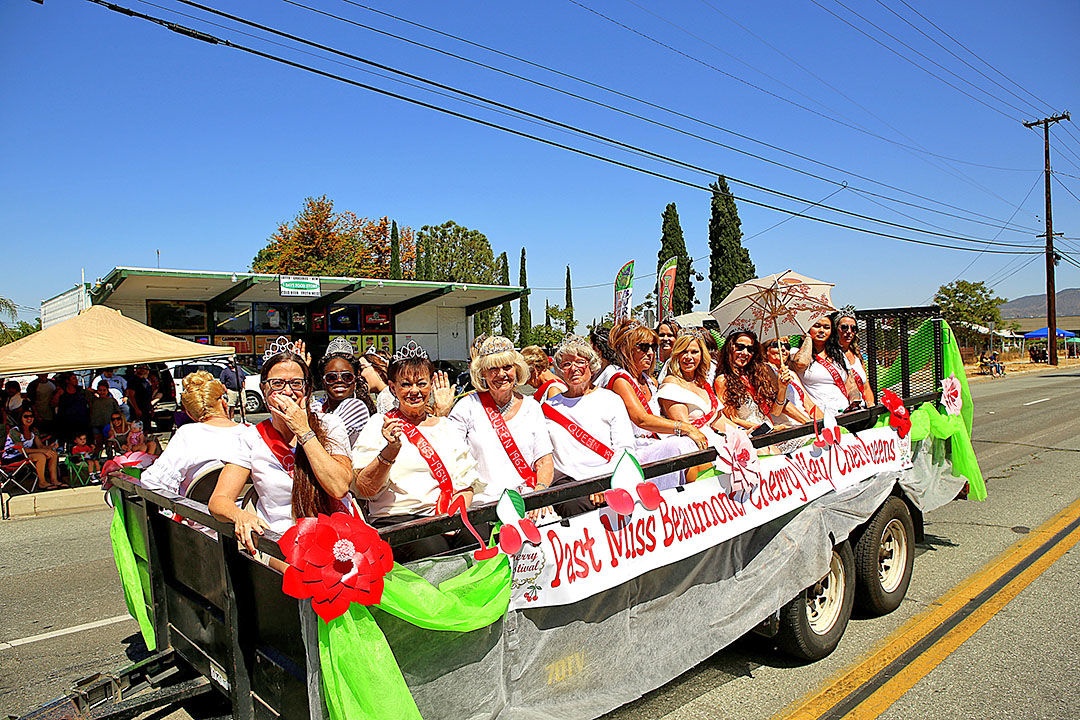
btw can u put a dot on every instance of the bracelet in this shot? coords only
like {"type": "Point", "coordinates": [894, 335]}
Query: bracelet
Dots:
{"type": "Point", "coordinates": [305, 437]}
{"type": "Point", "coordinates": [384, 461]}
{"type": "Point", "coordinates": [678, 429]}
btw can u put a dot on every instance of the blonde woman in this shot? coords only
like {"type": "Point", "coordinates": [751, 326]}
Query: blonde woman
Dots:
{"type": "Point", "coordinates": [197, 445]}
{"type": "Point", "coordinates": [504, 430]}
{"type": "Point", "coordinates": [547, 383]}
{"type": "Point", "coordinates": [686, 394]}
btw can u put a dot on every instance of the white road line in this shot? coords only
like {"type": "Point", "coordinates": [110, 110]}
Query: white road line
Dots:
{"type": "Point", "coordinates": [7, 645]}
{"type": "Point", "coordinates": [1036, 402]}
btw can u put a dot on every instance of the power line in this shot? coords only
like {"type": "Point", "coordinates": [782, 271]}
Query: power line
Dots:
{"type": "Point", "coordinates": [780, 97]}
{"type": "Point", "coordinates": [1009, 275]}
{"type": "Point", "coordinates": [664, 109]}
{"type": "Point", "coordinates": [1066, 187]}
{"type": "Point", "coordinates": [625, 146]}
{"type": "Point", "coordinates": [205, 37]}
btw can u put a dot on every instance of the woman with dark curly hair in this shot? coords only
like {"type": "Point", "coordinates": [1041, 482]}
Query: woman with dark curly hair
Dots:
{"type": "Point", "coordinates": [347, 393]}
{"type": "Point", "coordinates": [749, 390]}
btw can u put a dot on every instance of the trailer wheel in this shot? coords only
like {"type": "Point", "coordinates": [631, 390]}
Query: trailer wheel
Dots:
{"type": "Point", "coordinates": [884, 558]}
{"type": "Point", "coordinates": [252, 402]}
{"type": "Point", "coordinates": [812, 624]}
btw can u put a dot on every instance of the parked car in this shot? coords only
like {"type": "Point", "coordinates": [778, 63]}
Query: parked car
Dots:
{"type": "Point", "coordinates": [253, 397]}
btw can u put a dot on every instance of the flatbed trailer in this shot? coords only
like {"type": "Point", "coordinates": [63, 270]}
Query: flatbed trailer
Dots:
{"type": "Point", "coordinates": [222, 626]}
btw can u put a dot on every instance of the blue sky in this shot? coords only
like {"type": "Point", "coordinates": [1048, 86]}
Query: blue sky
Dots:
{"type": "Point", "coordinates": [121, 138]}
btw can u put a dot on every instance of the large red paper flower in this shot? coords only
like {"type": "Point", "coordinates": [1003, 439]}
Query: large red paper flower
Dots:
{"type": "Point", "coordinates": [335, 560]}
{"type": "Point", "coordinates": [740, 457]}
{"type": "Point", "coordinates": [899, 419]}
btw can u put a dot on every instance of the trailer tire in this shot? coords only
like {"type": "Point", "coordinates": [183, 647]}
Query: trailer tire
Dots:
{"type": "Point", "coordinates": [884, 558]}
{"type": "Point", "coordinates": [812, 624]}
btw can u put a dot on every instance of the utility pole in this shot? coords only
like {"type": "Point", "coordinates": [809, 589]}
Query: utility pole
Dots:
{"type": "Point", "coordinates": [1051, 292]}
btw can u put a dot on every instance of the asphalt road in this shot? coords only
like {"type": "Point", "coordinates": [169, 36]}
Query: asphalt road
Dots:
{"type": "Point", "coordinates": [57, 572]}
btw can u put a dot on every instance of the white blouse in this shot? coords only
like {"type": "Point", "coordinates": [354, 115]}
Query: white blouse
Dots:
{"type": "Point", "coordinates": [193, 448]}
{"type": "Point", "coordinates": [273, 484]}
{"type": "Point", "coordinates": [411, 489]}
{"type": "Point", "coordinates": [528, 429]}
{"type": "Point", "coordinates": [600, 413]}
{"type": "Point", "coordinates": [823, 391]}
{"type": "Point", "coordinates": [696, 406]}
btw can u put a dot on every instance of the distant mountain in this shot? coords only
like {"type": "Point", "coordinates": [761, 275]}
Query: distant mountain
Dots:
{"type": "Point", "coordinates": [1029, 306]}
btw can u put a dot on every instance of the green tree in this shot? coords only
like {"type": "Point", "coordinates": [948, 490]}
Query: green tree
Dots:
{"type": "Point", "coordinates": [569, 309]}
{"type": "Point", "coordinates": [524, 316]}
{"type": "Point", "coordinates": [454, 253]}
{"type": "Point", "coordinates": [729, 261]}
{"type": "Point", "coordinates": [506, 314]}
{"type": "Point", "coordinates": [963, 303]}
{"type": "Point", "coordinates": [395, 252]}
{"type": "Point", "coordinates": [672, 244]}
{"type": "Point", "coordinates": [11, 333]}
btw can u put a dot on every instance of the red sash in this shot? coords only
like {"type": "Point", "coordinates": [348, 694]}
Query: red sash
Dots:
{"type": "Point", "coordinates": [637, 389]}
{"type": "Point", "coordinates": [578, 433]}
{"type": "Point", "coordinates": [277, 445]}
{"type": "Point", "coordinates": [855, 376]}
{"type": "Point", "coordinates": [753, 395]}
{"type": "Point", "coordinates": [434, 462]}
{"type": "Point", "coordinates": [538, 396]}
{"type": "Point", "coordinates": [507, 440]}
{"type": "Point", "coordinates": [715, 404]}
{"type": "Point", "coordinates": [831, 369]}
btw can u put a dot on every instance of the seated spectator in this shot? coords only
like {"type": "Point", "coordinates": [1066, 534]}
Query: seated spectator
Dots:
{"type": "Point", "coordinates": [347, 394]}
{"type": "Point", "coordinates": [799, 408]}
{"type": "Point", "coordinates": [198, 445]}
{"type": "Point", "coordinates": [635, 347]}
{"type": "Point", "coordinates": [823, 369]}
{"type": "Point", "coordinates": [848, 336]}
{"type": "Point", "coordinates": [297, 461]}
{"type": "Point", "coordinates": [13, 403]}
{"type": "Point", "coordinates": [22, 442]}
{"type": "Point", "coordinates": [541, 377]}
{"type": "Point", "coordinates": [102, 409]}
{"type": "Point", "coordinates": [84, 452]}
{"type": "Point", "coordinates": [588, 426]}
{"type": "Point", "coordinates": [410, 463]}
{"type": "Point", "coordinates": [504, 430]}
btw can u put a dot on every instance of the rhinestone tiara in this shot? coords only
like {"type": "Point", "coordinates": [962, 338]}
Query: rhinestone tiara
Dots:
{"type": "Point", "coordinates": [571, 344]}
{"type": "Point", "coordinates": [278, 345]}
{"type": "Point", "coordinates": [494, 345]}
{"type": "Point", "coordinates": [408, 351]}
{"type": "Point", "coordinates": [339, 346]}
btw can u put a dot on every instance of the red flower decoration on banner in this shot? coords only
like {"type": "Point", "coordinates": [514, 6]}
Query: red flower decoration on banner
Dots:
{"type": "Point", "coordinates": [335, 560]}
{"type": "Point", "coordinates": [899, 419]}
{"type": "Point", "coordinates": [739, 454]}
{"type": "Point", "coordinates": [951, 395]}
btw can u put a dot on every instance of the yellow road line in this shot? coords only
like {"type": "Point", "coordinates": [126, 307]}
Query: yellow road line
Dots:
{"type": "Point", "coordinates": [892, 647]}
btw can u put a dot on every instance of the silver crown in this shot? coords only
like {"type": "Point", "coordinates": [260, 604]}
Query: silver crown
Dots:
{"type": "Point", "coordinates": [341, 346]}
{"type": "Point", "coordinates": [494, 345]}
{"type": "Point", "coordinates": [278, 345]}
{"type": "Point", "coordinates": [572, 344]}
{"type": "Point", "coordinates": [408, 351]}
{"type": "Point", "coordinates": [847, 311]}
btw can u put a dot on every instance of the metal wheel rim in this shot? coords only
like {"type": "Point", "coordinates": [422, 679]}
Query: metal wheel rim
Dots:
{"type": "Point", "coordinates": [892, 556]}
{"type": "Point", "coordinates": [825, 600]}
{"type": "Point", "coordinates": [251, 403]}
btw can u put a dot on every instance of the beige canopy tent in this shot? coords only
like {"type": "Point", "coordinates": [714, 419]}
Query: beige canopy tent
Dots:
{"type": "Point", "coordinates": [99, 337]}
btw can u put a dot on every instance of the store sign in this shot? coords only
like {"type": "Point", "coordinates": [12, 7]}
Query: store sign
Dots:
{"type": "Point", "coordinates": [299, 286]}
{"type": "Point", "coordinates": [376, 318]}
{"type": "Point", "coordinates": [581, 557]}
{"type": "Point", "coordinates": [241, 343]}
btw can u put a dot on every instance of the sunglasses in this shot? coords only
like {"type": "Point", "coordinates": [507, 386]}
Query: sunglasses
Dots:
{"type": "Point", "coordinates": [743, 347]}
{"type": "Point", "coordinates": [279, 384]}
{"type": "Point", "coordinates": [849, 328]}
{"type": "Point", "coordinates": [28, 417]}
{"type": "Point", "coordinates": [646, 347]}
{"type": "Point", "coordinates": [782, 346]}
{"type": "Point", "coordinates": [116, 417]}
{"type": "Point", "coordinates": [331, 378]}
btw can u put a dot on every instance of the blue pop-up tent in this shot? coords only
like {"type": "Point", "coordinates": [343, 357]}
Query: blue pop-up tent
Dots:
{"type": "Point", "coordinates": [1045, 333]}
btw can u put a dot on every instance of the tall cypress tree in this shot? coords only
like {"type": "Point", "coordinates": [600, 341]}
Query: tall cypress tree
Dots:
{"type": "Point", "coordinates": [429, 272]}
{"type": "Point", "coordinates": [418, 263]}
{"type": "Point", "coordinates": [524, 317]}
{"type": "Point", "coordinates": [672, 243]}
{"type": "Point", "coordinates": [547, 313]}
{"type": "Point", "coordinates": [395, 252]}
{"type": "Point", "coordinates": [506, 318]}
{"type": "Point", "coordinates": [729, 261]}
{"type": "Point", "coordinates": [569, 304]}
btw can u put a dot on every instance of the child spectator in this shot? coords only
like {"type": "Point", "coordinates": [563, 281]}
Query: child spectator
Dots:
{"type": "Point", "coordinates": [86, 453]}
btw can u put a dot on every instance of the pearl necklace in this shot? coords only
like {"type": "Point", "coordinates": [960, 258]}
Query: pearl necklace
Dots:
{"type": "Point", "coordinates": [503, 408]}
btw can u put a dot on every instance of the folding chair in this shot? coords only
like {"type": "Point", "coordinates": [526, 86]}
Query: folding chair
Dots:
{"type": "Point", "coordinates": [78, 470]}
{"type": "Point", "coordinates": [17, 473]}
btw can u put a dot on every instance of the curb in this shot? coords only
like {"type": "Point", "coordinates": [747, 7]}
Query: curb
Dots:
{"type": "Point", "coordinates": [82, 498]}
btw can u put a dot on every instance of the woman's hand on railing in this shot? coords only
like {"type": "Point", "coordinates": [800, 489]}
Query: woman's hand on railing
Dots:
{"type": "Point", "coordinates": [246, 523]}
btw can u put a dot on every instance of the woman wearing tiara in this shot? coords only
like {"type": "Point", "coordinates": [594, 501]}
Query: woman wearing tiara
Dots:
{"type": "Point", "coordinates": [686, 394]}
{"type": "Point", "coordinates": [658, 437]}
{"type": "Point", "coordinates": [297, 461]}
{"type": "Point", "coordinates": [505, 431]}
{"type": "Point", "coordinates": [410, 463]}
{"type": "Point", "coordinates": [347, 393]}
